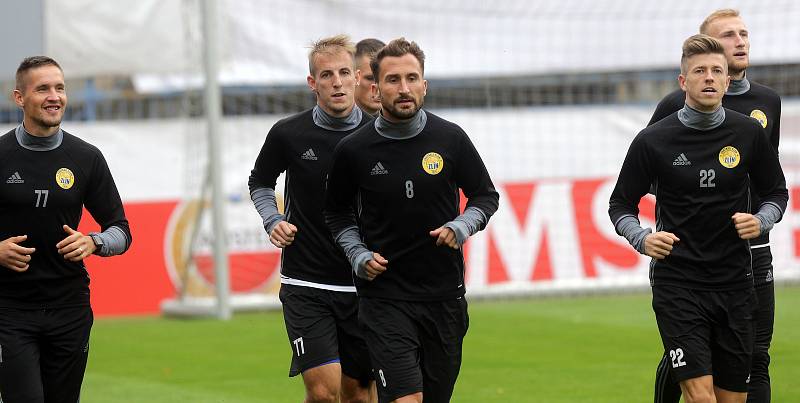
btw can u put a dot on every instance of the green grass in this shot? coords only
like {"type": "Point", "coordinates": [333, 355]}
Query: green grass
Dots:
{"type": "Point", "coordinates": [592, 349]}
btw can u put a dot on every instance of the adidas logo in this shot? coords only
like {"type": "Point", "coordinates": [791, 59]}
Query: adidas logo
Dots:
{"type": "Point", "coordinates": [378, 169]}
{"type": "Point", "coordinates": [769, 277]}
{"type": "Point", "coordinates": [15, 178]}
{"type": "Point", "coordinates": [681, 160]}
{"type": "Point", "coordinates": [309, 155]}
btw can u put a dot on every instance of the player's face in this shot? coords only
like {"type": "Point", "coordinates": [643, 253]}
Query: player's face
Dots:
{"type": "Point", "coordinates": [364, 97]}
{"type": "Point", "coordinates": [401, 87]}
{"type": "Point", "coordinates": [735, 38]}
{"type": "Point", "coordinates": [334, 82]}
{"type": "Point", "coordinates": [705, 81]}
{"type": "Point", "coordinates": [43, 99]}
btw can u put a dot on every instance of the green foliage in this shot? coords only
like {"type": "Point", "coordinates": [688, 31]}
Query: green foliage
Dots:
{"type": "Point", "coordinates": [587, 349]}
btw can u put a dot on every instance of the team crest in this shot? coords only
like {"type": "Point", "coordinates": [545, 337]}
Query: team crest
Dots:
{"type": "Point", "coordinates": [65, 178]}
{"type": "Point", "coordinates": [729, 157]}
{"type": "Point", "coordinates": [760, 117]}
{"type": "Point", "coordinates": [432, 163]}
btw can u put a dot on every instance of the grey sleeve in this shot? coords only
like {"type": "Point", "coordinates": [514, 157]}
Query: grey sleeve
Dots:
{"type": "Point", "coordinates": [114, 241]}
{"type": "Point", "coordinates": [355, 250]}
{"type": "Point", "coordinates": [267, 207]}
{"type": "Point", "coordinates": [467, 224]}
{"type": "Point", "coordinates": [628, 226]}
{"type": "Point", "coordinates": [768, 214]}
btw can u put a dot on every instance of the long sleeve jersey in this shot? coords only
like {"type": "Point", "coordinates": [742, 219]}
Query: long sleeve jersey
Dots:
{"type": "Point", "coordinates": [759, 102]}
{"type": "Point", "coordinates": [41, 191]}
{"type": "Point", "coordinates": [405, 188]}
{"type": "Point", "coordinates": [304, 150]}
{"type": "Point", "coordinates": [700, 179]}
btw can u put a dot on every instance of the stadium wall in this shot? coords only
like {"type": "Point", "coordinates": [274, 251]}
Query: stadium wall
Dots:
{"type": "Point", "coordinates": [554, 169]}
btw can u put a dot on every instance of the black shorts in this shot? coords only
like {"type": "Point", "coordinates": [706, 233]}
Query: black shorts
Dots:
{"type": "Point", "coordinates": [43, 353]}
{"type": "Point", "coordinates": [707, 333]}
{"type": "Point", "coordinates": [322, 326]}
{"type": "Point", "coordinates": [414, 346]}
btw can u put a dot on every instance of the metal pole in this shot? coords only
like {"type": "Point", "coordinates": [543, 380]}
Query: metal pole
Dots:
{"type": "Point", "coordinates": [213, 108]}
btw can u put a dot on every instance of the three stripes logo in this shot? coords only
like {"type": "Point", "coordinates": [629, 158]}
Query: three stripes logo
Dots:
{"type": "Point", "coordinates": [15, 178]}
{"type": "Point", "coordinates": [378, 169]}
{"type": "Point", "coordinates": [309, 155]}
{"type": "Point", "coordinates": [681, 160]}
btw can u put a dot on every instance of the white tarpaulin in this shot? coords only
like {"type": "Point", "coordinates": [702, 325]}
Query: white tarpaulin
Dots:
{"type": "Point", "coordinates": [92, 37]}
{"type": "Point", "coordinates": [265, 42]}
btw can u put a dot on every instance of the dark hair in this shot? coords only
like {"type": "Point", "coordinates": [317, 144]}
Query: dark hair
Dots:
{"type": "Point", "coordinates": [368, 47]}
{"type": "Point", "coordinates": [397, 48]}
{"type": "Point", "coordinates": [30, 63]}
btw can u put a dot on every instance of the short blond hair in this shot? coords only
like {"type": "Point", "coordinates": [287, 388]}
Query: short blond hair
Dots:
{"type": "Point", "coordinates": [721, 13]}
{"type": "Point", "coordinates": [331, 45]}
{"type": "Point", "coordinates": [700, 44]}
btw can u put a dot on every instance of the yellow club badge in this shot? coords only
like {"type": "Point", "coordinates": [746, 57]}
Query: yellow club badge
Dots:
{"type": "Point", "coordinates": [65, 178]}
{"type": "Point", "coordinates": [729, 157]}
{"type": "Point", "coordinates": [760, 117]}
{"type": "Point", "coordinates": [432, 163]}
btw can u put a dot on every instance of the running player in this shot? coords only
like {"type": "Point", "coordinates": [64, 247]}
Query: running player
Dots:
{"type": "Point", "coordinates": [700, 161]}
{"type": "Point", "coordinates": [365, 51]}
{"type": "Point", "coordinates": [763, 104]}
{"type": "Point", "coordinates": [319, 299]}
{"type": "Point", "coordinates": [50, 176]}
{"type": "Point", "coordinates": [405, 170]}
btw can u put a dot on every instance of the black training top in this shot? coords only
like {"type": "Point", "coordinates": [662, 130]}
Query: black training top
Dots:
{"type": "Point", "coordinates": [700, 180]}
{"type": "Point", "coordinates": [759, 102]}
{"type": "Point", "coordinates": [41, 191]}
{"type": "Point", "coordinates": [406, 188]}
{"type": "Point", "coordinates": [304, 150]}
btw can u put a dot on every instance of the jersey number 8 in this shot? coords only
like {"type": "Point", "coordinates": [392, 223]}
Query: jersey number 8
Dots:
{"type": "Point", "coordinates": [409, 189]}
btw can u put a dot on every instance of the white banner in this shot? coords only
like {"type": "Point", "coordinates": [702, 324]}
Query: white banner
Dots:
{"type": "Point", "coordinates": [266, 42]}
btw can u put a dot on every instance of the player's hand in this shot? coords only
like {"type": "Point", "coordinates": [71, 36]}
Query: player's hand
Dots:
{"type": "Point", "coordinates": [282, 235]}
{"type": "Point", "coordinates": [14, 256]}
{"type": "Point", "coordinates": [659, 245]}
{"type": "Point", "coordinates": [375, 266]}
{"type": "Point", "coordinates": [747, 225]}
{"type": "Point", "coordinates": [445, 236]}
{"type": "Point", "coordinates": [76, 246]}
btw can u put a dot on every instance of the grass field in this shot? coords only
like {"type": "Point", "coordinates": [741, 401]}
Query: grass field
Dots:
{"type": "Point", "coordinates": [589, 349]}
